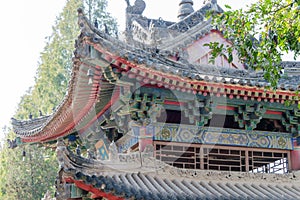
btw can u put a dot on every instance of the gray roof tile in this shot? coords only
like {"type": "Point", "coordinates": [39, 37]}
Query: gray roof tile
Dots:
{"type": "Point", "coordinates": [147, 185]}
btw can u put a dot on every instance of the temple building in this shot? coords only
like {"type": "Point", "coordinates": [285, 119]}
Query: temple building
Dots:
{"type": "Point", "coordinates": [156, 120]}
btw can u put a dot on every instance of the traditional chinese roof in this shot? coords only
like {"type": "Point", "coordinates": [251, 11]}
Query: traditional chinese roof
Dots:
{"type": "Point", "coordinates": [78, 107]}
{"type": "Point", "coordinates": [133, 177]}
{"type": "Point", "coordinates": [115, 63]}
{"type": "Point", "coordinates": [151, 65]}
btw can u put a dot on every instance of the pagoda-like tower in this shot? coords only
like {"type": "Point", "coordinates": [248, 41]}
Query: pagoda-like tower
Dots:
{"type": "Point", "coordinates": [185, 8]}
{"type": "Point", "coordinates": [160, 122]}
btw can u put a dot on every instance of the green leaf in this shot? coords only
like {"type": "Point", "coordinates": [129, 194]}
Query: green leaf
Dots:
{"type": "Point", "coordinates": [227, 6]}
{"type": "Point", "coordinates": [230, 58]}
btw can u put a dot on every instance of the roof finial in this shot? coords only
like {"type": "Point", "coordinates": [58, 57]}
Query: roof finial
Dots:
{"type": "Point", "coordinates": [138, 7]}
{"type": "Point", "coordinates": [185, 8]}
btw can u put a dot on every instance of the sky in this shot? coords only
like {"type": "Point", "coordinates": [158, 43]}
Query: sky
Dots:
{"type": "Point", "coordinates": [26, 24]}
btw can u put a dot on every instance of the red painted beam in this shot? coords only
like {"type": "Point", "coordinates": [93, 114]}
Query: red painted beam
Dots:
{"type": "Point", "coordinates": [220, 107]}
{"type": "Point", "coordinates": [268, 112]}
{"type": "Point", "coordinates": [174, 103]}
{"type": "Point", "coordinates": [272, 112]}
{"type": "Point", "coordinates": [96, 192]}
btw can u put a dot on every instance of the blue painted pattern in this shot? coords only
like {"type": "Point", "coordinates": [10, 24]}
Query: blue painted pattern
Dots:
{"type": "Point", "coordinates": [220, 136]}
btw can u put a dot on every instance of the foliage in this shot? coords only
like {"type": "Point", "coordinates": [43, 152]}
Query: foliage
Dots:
{"type": "Point", "coordinates": [26, 176]}
{"type": "Point", "coordinates": [95, 10]}
{"type": "Point", "coordinates": [260, 34]}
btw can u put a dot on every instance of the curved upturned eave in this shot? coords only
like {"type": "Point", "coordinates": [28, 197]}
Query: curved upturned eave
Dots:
{"type": "Point", "coordinates": [22, 127]}
{"type": "Point", "coordinates": [75, 105]}
{"type": "Point", "coordinates": [78, 102]}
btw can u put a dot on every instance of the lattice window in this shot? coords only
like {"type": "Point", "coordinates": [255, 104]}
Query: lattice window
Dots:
{"type": "Point", "coordinates": [222, 158]}
{"type": "Point", "coordinates": [268, 162]}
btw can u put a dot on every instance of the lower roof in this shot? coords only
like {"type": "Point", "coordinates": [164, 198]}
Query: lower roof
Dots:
{"type": "Point", "coordinates": [139, 185]}
{"type": "Point", "coordinates": [145, 179]}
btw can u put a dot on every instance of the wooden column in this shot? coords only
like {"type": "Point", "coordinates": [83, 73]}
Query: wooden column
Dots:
{"type": "Point", "coordinates": [294, 158]}
{"type": "Point", "coordinates": [201, 158]}
{"type": "Point", "coordinates": [144, 139]}
{"type": "Point", "coordinates": [247, 161]}
{"type": "Point", "coordinates": [289, 162]}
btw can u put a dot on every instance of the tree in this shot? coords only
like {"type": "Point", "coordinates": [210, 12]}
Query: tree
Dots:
{"type": "Point", "coordinates": [26, 173]}
{"type": "Point", "coordinates": [95, 10]}
{"type": "Point", "coordinates": [260, 34]}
